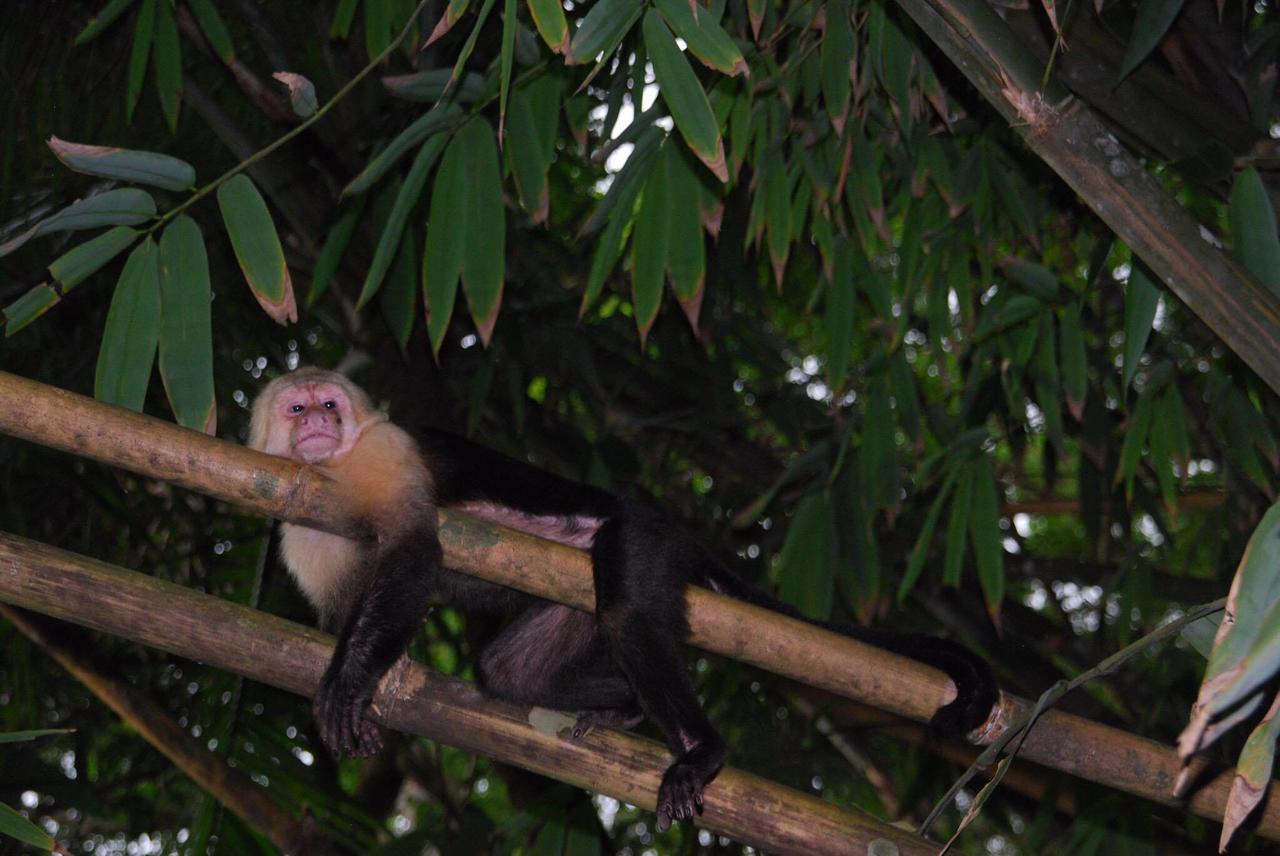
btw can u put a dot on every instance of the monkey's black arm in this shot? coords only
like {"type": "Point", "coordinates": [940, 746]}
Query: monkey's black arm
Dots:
{"type": "Point", "coordinates": [398, 585]}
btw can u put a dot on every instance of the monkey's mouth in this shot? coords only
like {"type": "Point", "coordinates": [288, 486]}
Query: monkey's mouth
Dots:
{"type": "Point", "coordinates": [316, 438]}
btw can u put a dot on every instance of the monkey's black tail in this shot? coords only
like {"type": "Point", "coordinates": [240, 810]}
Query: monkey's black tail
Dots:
{"type": "Point", "coordinates": [976, 689]}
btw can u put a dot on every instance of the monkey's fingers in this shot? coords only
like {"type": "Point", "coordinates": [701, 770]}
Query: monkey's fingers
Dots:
{"type": "Point", "coordinates": [679, 795]}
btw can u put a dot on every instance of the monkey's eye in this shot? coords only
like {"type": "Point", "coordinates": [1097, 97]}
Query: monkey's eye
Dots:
{"type": "Point", "coordinates": [331, 405]}
{"type": "Point", "coordinates": [296, 408]}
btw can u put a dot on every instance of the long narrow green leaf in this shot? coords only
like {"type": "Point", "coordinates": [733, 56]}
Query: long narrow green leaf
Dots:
{"type": "Point", "coordinates": [650, 246]}
{"type": "Point", "coordinates": [167, 58]}
{"type": "Point", "coordinates": [452, 14]}
{"type": "Point", "coordinates": [984, 529]}
{"type": "Point", "coordinates": [214, 29]}
{"type": "Point", "coordinates": [683, 95]}
{"type": "Point", "coordinates": [399, 297]}
{"type": "Point", "coordinates": [410, 192]}
{"type": "Point", "coordinates": [839, 318]}
{"type": "Point", "coordinates": [506, 58]}
{"type": "Point", "coordinates": [124, 206]}
{"type": "Point", "coordinates": [433, 84]}
{"type": "Point", "coordinates": [915, 564]}
{"type": "Point", "coordinates": [439, 118]}
{"type": "Point", "coordinates": [806, 565]}
{"type": "Point", "coordinates": [958, 526]}
{"type": "Point", "coordinates": [528, 161]}
{"type": "Point", "coordinates": [602, 29]}
{"type": "Point", "coordinates": [1135, 438]}
{"type": "Point", "coordinates": [343, 17]}
{"type": "Point", "coordinates": [139, 53]}
{"type": "Point", "coordinates": [837, 56]}
{"type": "Point", "coordinates": [686, 247]}
{"type": "Point", "coordinates": [186, 327]}
{"type": "Point", "coordinates": [79, 263]}
{"type": "Point", "coordinates": [30, 306]}
{"type": "Point", "coordinates": [105, 18]}
{"type": "Point", "coordinates": [446, 238]}
{"type": "Point", "coordinates": [1141, 297]}
{"type": "Point", "coordinates": [335, 245]}
{"type": "Point", "coordinates": [1152, 22]}
{"type": "Point", "coordinates": [128, 165]}
{"type": "Point", "coordinates": [131, 333]}
{"type": "Point", "coordinates": [705, 38]}
{"type": "Point", "coordinates": [1253, 228]}
{"type": "Point", "coordinates": [484, 255]}
{"type": "Point", "coordinates": [16, 826]}
{"type": "Point", "coordinates": [32, 734]}
{"type": "Point", "coordinates": [257, 247]}
{"type": "Point", "coordinates": [1075, 381]}
{"type": "Point", "coordinates": [470, 44]}
{"type": "Point", "coordinates": [377, 27]}
{"type": "Point", "coordinates": [548, 17]}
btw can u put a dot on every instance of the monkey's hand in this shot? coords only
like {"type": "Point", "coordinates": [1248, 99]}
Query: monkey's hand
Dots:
{"type": "Point", "coordinates": [339, 711]}
{"type": "Point", "coordinates": [679, 795]}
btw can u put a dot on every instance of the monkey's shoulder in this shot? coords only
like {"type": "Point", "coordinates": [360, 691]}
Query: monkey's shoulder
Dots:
{"type": "Point", "coordinates": [385, 472]}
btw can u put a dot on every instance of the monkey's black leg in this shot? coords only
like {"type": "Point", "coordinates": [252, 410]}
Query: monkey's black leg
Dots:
{"type": "Point", "coordinates": [640, 572]}
{"type": "Point", "coordinates": [397, 590]}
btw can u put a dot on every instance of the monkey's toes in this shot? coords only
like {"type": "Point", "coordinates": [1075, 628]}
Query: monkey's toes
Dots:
{"type": "Point", "coordinates": [679, 795]}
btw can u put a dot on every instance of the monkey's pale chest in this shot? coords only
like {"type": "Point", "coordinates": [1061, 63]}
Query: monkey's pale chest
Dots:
{"type": "Point", "coordinates": [322, 564]}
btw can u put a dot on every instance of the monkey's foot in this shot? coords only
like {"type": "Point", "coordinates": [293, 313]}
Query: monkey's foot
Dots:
{"type": "Point", "coordinates": [342, 725]}
{"type": "Point", "coordinates": [625, 718]}
{"type": "Point", "coordinates": [680, 794]}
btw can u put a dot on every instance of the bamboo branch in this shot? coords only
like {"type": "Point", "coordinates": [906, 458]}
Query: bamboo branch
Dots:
{"type": "Point", "coordinates": [1077, 145]}
{"type": "Point", "coordinates": [229, 786]}
{"type": "Point", "coordinates": [279, 488]}
{"type": "Point", "coordinates": [414, 699]}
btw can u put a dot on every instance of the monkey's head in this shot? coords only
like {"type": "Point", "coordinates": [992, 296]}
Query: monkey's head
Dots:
{"type": "Point", "coordinates": [311, 416]}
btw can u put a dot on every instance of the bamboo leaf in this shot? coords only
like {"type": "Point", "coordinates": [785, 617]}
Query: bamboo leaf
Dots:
{"type": "Point", "coordinates": [548, 17]}
{"type": "Point", "coordinates": [410, 192]}
{"type": "Point", "coordinates": [1075, 381]}
{"type": "Point", "coordinates": [214, 29]}
{"type": "Point", "coordinates": [1150, 25]}
{"type": "Point", "coordinates": [446, 237]}
{"type": "Point", "coordinates": [167, 58]}
{"type": "Point", "coordinates": [958, 526]}
{"type": "Point", "coordinates": [131, 333]}
{"type": "Point", "coordinates": [452, 14]}
{"type": "Point", "coordinates": [915, 564]}
{"type": "Point", "coordinates": [433, 84]}
{"type": "Point", "coordinates": [984, 529]}
{"type": "Point", "coordinates": [837, 57]}
{"type": "Point", "coordinates": [343, 17]}
{"type": "Point", "coordinates": [484, 253]}
{"type": "Point", "coordinates": [506, 58]}
{"type": "Point", "coordinates": [602, 29]}
{"type": "Point", "coordinates": [1141, 297]}
{"type": "Point", "coordinates": [399, 296]}
{"type": "Point", "coordinates": [335, 244]}
{"type": "Point", "coordinates": [806, 566]}
{"type": "Point", "coordinates": [686, 248]}
{"type": "Point", "coordinates": [105, 18]}
{"type": "Point", "coordinates": [257, 248]}
{"type": "Point", "coordinates": [470, 44]}
{"type": "Point", "coordinates": [1253, 228]}
{"type": "Point", "coordinates": [1135, 437]}
{"type": "Point", "coordinates": [139, 53]}
{"type": "Point", "coordinates": [683, 95]}
{"type": "Point", "coordinates": [1253, 773]}
{"type": "Point", "coordinates": [129, 165]}
{"type": "Point", "coordinates": [839, 318]}
{"type": "Point", "coordinates": [528, 160]}
{"type": "Point", "coordinates": [302, 93]}
{"type": "Point", "coordinates": [32, 734]}
{"type": "Point", "coordinates": [30, 306]}
{"type": "Point", "coordinates": [704, 37]}
{"type": "Point", "coordinates": [125, 206]}
{"type": "Point", "coordinates": [649, 249]}
{"type": "Point", "coordinates": [377, 27]}
{"type": "Point", "coordinates": [437, 119]}
{"type": "Point", "coordinates": [79, 263]}
{"type": "Point", "coordinates": [186, 328]}
{"type": "Point", "coordinates": [16, 826]}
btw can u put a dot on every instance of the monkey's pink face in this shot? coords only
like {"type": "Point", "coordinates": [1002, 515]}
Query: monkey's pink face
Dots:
{"type": "Point", "coordinates": [318, 420]}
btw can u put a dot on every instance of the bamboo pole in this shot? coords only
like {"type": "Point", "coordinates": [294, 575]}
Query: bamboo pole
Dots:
{"type": "Point", "coordinates": [1076, 144]}
{"type": "Point", "coordinates": [414, 699]}
{"type": "Point", "coordinates": [279, 488]}
{"type": "Point", "coordinates": [247, 800]}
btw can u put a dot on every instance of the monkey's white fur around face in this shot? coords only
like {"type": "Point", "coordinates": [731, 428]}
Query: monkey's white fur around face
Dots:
{"type": "Point", "coordinates": [320, 418]}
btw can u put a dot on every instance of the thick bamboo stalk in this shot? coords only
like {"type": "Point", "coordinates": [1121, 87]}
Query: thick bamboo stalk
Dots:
{"type": "Point", "coordinates": [229, 786]}
{"type": "Point", "coordinates": [1076, 144]}
{"type": "Point", "coordinates": [278, 488]}
{"type": "Point", "coordinates": [412, 698]}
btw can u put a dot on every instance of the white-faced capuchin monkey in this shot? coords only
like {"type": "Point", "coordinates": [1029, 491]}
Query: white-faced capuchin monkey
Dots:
{"type": "Point", "coordinates": [617, 667]}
